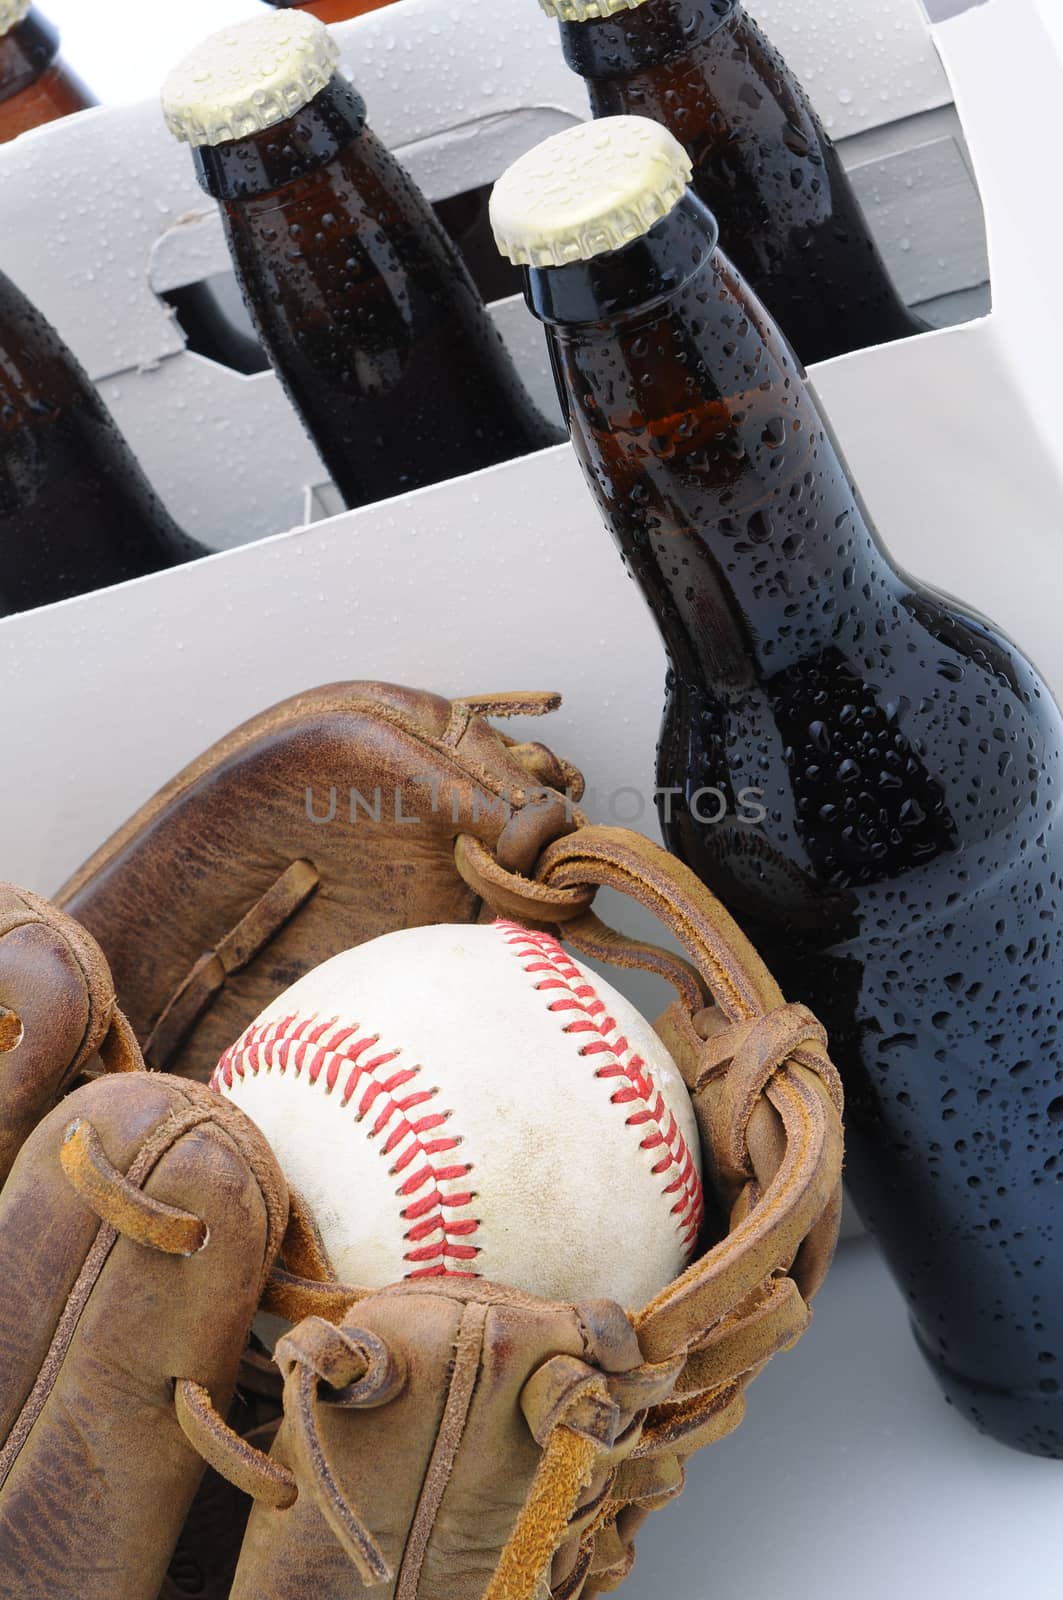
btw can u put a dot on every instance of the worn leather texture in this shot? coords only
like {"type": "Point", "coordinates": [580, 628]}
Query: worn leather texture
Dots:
{"type": "Point", "coordinates": [203, 1564]}
{"type": "Point", "coordinates": [445, 1440]}
{"type": "Point", "coordinates": [96, 1323]}
{"type": "Point", "coordinates": [57, 1009]}
{"type": "Point", "coordinates": [222, 890]}
{"type": "Point", "coordinates": [587, 1440]}
{"type": "Point", "coordinates": [442, 1506]}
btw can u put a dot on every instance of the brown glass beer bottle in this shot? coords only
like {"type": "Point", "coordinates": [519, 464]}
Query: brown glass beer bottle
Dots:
{"type": "Point", "coordinates": [76, 511]}
{"type": "Point", "coordinates": [868, 773]}
{"type": "Point", "coordinates": [464, 216]}
{"type": "Point", "coordinates": [763, 162]}
{"type": "Point", "coordinates": [361, 301]}
{"type": "Point", "coordinates": [36, 85]}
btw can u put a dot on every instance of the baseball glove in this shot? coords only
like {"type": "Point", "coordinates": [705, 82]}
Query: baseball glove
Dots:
{"type": "Point", "coordinates": [319, 824]}
{"type": "Point", "coordinates": [447, 1439]}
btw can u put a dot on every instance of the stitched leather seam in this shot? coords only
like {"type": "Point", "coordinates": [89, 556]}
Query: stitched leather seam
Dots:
{"type": "Point", "coordinates": [464, 1373]}
{"type": "Point", "coordinates": [388, 1097]}
{"type": "Point", "coordinates": [558, 975]}
{"type": "Point", "coordinates": [158, 1143]}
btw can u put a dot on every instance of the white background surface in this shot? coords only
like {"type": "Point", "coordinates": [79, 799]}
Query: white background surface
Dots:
{"type": "Point", "coordinates": [124, 48]}
{"type": "Point", "coordinates": [851, 1478]}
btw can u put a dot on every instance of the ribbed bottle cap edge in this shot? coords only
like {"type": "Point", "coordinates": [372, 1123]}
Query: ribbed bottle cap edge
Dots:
{"type": "Point", "coordinates": [587, 10]}
{"type": "Point", "coordinates": [249, 77]}
{"type": "Point", "coordinates": [12, 12]}
{"type": "Point", "coordinates": [589, 190]}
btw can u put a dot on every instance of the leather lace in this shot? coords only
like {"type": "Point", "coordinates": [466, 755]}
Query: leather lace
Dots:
{"type": "Point", "coordinates": [255, 930]}
{"type": "Point", "coordinates": [125, 1209]}
{"type": "Point", "coordinates": [544, 817]}
{"type": "Point", "coordinates": [122, 1204]}
{"type": "Point", "coordinates": [768, 1102]}
{"type": "Point", "coordinates": [576, 1424]}
{"type": "Point", "coordinates": [613, 1444]}
{"type": "Point", "coordinates": [10, 1028]}
{"type": "Point", "coordinates": [756, 1067]}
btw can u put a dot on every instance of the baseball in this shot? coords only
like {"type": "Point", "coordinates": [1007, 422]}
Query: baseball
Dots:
{"type": "Point", "coordinates": [471, 1100]}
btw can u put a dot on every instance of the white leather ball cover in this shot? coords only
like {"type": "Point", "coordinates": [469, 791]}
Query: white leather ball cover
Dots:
{"type": "Point", "coordinates": [470, 1099]}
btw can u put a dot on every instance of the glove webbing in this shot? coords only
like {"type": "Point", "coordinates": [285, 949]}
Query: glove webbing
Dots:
{"type": "Point", "coordinates": [767, 1098]}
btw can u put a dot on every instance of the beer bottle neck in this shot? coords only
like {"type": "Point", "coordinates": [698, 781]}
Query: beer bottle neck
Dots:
{"type": "Point", "coordinates": [654, 32]}
{"type": "Point", "coordinates": [708, 456]}
{"type": "Point", "coordinates": [263, 162]}
{"type": "Point", "coordinates": [629, 281]}
{"type": "Point", "coordinates": [26, 52]}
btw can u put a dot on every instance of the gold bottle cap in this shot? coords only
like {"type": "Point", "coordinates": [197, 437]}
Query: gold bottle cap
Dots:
{"type": "Point", "coordinates": [587, 10]}
{"type": "Point", "coordinates": [12, 13]}
{"type": "Point", "coordinates": [247, 78]}
{"type": "Point", "coordinates": [588, 190]}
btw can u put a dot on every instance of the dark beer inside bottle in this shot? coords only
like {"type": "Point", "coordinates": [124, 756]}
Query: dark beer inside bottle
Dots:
{"type": "Point", "coordinates": [763, 163]}
{"type": "Point", "coordinates": [213, 327]}
{"type": "Point", "coordinates": [76, 511]}
{"type": "Point", "coordinates": [365, 305]}
{"type": "Point", "coordinates": [36, 85]}
{"type": "Point", "coordinates": [907, 878]}
{"type": "Point", "coordinates": [466, 218]}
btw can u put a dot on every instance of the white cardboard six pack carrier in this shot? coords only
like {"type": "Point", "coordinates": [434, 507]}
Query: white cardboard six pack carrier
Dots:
{"type": "Point", "coordinates": [507, 578]}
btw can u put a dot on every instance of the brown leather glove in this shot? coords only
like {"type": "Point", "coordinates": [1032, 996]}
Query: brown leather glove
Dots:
{"type": "Point", "coordinates": [455, 1441]}
{"type": "Point", "coordinates": [136, 1226]}
{"type": "Point", "coordinates": [57, 1014]}
{"type": "Point", "coordinates": [136, 1229]}
{"type": "Point", "coordinates": [321, 823]}
{"type": "Point", "coordinates": [451, 1440]}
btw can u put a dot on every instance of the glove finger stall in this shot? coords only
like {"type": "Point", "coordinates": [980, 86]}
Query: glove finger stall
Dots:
{"type": "Point", "coordinates": [96, 1324]}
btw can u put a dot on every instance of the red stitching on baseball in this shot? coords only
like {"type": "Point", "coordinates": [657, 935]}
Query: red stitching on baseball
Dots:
{"type": "Point", "coordinates": [439, 1246]}
{"type": "Point", "coordinates": [547, 960]}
